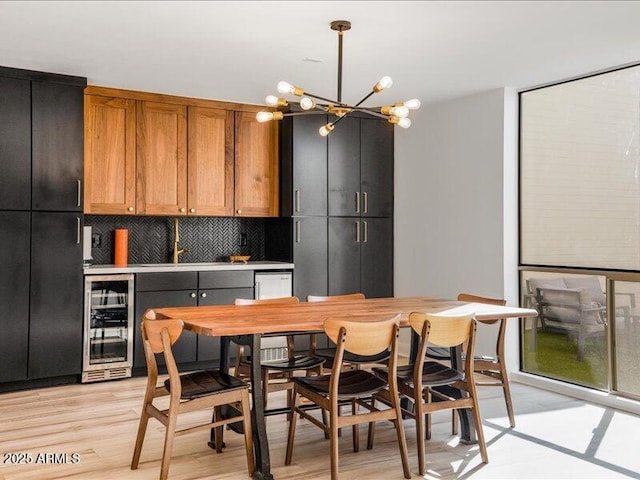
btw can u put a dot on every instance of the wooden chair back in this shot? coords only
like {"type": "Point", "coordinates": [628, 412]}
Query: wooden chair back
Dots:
{"type": "Point", "coordinates": [362, 337]}
{"type": "Point", "coordinates": [443, 330]}
{"type": "Point", "coordinates": [266, 301]}
{"type": "Point", "coordinates": [336, 298]}
{"type": "Point", "coordinates": [152, 331]}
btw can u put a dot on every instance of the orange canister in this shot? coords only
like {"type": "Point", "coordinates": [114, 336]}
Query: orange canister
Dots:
{"type": "Point", "coordinates": [121, 246]}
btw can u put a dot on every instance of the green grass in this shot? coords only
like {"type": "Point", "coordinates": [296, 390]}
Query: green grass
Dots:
{"type": "Point", "coordinates": [556, 356]}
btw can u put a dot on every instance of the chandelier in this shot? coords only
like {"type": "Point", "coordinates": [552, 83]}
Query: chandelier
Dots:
{"type": "Point", "coordinates": [311, 103]}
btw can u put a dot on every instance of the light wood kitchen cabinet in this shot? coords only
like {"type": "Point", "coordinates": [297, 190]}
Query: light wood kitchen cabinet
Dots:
{"type": "Point", "coordinates": [152, 154]}
{"type": "Point", "coordinates": [256, 167]}
{"type": "Point", "coordinates": [161, 178]}
{"type": "Point", "coordinates": [110, 155]}
{"type": "Point", "coordinates": [210, 162]}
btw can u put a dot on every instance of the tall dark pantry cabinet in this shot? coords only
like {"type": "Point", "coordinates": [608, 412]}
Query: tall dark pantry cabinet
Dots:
{"type": "Point", "coordinates": [41, 165]}
{"type": "Point", "coordinates": [336, 204]}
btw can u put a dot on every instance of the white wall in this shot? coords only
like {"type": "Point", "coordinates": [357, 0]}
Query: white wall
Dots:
{"type": "Point", "coordinates": [449, 206]}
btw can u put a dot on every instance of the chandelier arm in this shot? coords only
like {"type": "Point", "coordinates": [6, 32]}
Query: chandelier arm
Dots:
{"type": "Point", "coordinates": [308, 112]}
{"type": "Point", "coordinates": [371, 112]}
{"type": "Point", "coordinates": [364, 99]}
{"type": "Point", "coordinates": [313, 95]}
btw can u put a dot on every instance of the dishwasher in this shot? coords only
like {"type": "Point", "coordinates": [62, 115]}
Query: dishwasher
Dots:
{"type": "Point", "coordinates": [273, 285]}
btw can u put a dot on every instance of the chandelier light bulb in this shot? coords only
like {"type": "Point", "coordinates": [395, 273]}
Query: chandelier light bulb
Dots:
{"type": "Point", "coordinates": [285, 87]}
{"type": "Point", "coordinates": [413, 104]}
{"type": "Point", "coordinates": [262, 117]}
{"type": "Point", "coordinates": [271, 100]}
{"type": "Point", "coordinates": [401, 122]}
{"type": "Point", "coordinates": [401, 111]}
{"type": "Point", "coordinates": [385, 82]}
{"type": "Point", "coordinates": [306, 103]}
{"type": "Point", "coordinates": [404, 122]}
{"type": "Point", "coordinates": [326, 129]}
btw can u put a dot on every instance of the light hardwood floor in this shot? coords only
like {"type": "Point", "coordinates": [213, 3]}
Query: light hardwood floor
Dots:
{"type": "Point", "coordinates": [555, 437]}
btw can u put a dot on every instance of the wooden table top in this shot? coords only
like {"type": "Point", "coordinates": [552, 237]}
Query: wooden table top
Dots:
{"type": "Point", "coordinates": [229, 320]}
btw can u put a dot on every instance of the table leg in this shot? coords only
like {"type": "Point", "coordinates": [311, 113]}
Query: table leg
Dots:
{"type": "Point", "coordinates": [260, 442]}
{"type": "Point", "coordinates": [224, 367]}
{"type": "Point", "coordinates": [467, 428]}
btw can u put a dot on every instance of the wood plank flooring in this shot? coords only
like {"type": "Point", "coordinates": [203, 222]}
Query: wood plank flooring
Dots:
{"type": "Point", "coordinates": [555, 437]}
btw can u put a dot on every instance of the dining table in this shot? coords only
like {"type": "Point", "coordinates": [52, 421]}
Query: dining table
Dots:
{"type": "Point", "coordinates": [247, 324]}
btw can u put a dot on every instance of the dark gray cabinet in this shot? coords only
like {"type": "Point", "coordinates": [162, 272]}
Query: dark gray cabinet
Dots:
{"type": "Point", "coordinates": [337, 198]}
{"type": "Point", "coordinates": [361, 256]}
{"type": "Point", "coordinates": [15, 144]}
{"type": "Point", "coordinates": [360, 168]}
{"type": "Point", "coordinates": [58, 146]}
{"type": "Point", "coordinates": [309, 196]}
{"type": "Point", "coordinates": [183, 289]}
{"type": "Point", "coordinates": [55, 328]}
{"type": "Point", "coordinates": [15, 238]}
{"type": "Point", "coordinates": [41, 160]}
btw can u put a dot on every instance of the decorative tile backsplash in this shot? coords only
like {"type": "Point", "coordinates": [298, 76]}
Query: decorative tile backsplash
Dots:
{"type": "Point", "coordinates": [207, 239]}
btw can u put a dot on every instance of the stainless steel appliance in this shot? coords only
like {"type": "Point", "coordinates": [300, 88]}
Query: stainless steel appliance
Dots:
{"type": "Point", "coordinates": [108, 327]}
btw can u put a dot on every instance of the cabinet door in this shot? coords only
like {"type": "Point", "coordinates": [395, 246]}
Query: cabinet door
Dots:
{"type": "Point", "coordinates": [344, 255]}
{"type": "Point", "coordinates": [161, 187]}
{"type": "Point", "coordinates": [210, 162]}
{"type": "Point", "coordinates": [55, 329]}
{"type": "Point", "coordinates": [376, 255]}
{"type": "Point", "coordinates": [209, 347]}
{"type": "Point", "coordinates": [309, 166]}
{"type": "Point", "coordinates": [184, 350]}
{"type": "Point", "coordinates": [110, 155]}
{"type": "Point", "coordinates": [344, 169]}
{"type": "Point", "coordinates": [57, 146]}
{"type": "Point", "coordinates": [256, 167]}
{"type": "Point", "coordinates": [376, 168]}
{"type": "Point", "coordinates": [15, 232]}
{"type": "Point", "coordinates": [310, 256]}
{"type": "Point", "coordinates": [15, 144]}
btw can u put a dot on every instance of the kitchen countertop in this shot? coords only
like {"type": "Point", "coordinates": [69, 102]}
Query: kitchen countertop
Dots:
{"type": "Point", "coordinates": [185, 267]}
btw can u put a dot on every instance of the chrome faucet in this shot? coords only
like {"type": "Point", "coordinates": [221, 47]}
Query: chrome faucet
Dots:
{"type": "Point", "coordinates": [177, 251]}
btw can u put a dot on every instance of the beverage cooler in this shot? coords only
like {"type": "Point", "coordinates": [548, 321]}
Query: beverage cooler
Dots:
{"type": "Point", "coordinates": [108, 327]}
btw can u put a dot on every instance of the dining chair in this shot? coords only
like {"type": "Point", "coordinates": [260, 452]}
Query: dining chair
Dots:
{"type": "Point", "coordinates": [361, 337]}
{"type": "Point", "coordinates": [488, 366]}
{"type": "Point", "coordinates": [426, 379]}
{"type": "Point", "coordinates": [350, 360]}
{"type": "Point", "coordinates": [273, 370]}
{"type": "Point", "coordinates": [187, 392]}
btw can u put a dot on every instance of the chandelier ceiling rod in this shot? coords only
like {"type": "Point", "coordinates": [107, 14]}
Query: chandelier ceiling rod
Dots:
{"type": "Point", "coordinates": [395, 114]}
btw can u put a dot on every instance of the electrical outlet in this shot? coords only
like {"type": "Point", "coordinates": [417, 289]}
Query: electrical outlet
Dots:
{"type": "Point", "coordinates": [96, 240]}
{"type": "Point", "coordinates": [243, 239]}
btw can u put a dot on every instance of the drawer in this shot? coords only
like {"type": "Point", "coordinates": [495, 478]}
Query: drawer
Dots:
{"type": "Point", "coordinates": [156, 281]}
{"type": "Point", "coordinates": [226, 279]}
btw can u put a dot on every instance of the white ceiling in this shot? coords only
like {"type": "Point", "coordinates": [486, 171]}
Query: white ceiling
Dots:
{"type": "Point", "coordinates": [239, 50]}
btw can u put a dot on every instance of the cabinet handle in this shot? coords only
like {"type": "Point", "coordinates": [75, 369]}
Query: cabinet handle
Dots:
{"type": "Point", "coordinates": [297, 200]}
{"type": "Point", "coordinates": [357, 202]}
{"type": "Point", "coordinates": [238, 212]}
{"type": "Point", "coordinates": [79, 193]}
{"type": "Point", "coordinates": [183, 209]}
{"type": "Point", "coordinates": [297, 231]}
{"type": "Point", "coordinates": [130, 209]}
{"type": "Point", "coordinates": [203, 295]}
{"type": "Point", "coordinates": [192, 210]}
{"type": "Point", "coordinates": [366, 231]}
{"type": "Point", "coordinates": [78, 230]}
{"type": "Point", "coordinates": [357, 231]}
{"type": "Point", "coordinates": [192, 295]}
{"type": "Point", "coordinates": [366, 202]}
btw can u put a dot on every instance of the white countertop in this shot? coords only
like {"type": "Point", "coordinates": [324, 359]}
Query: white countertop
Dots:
{"type": "Point", "coordinates": [185, 267]}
